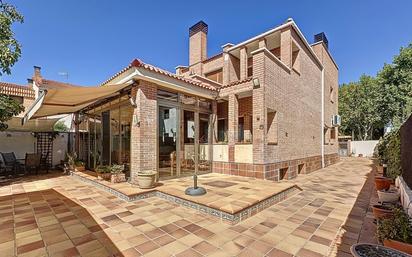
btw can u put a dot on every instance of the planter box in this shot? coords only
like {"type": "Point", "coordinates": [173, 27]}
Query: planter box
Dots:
{"type": "Point", "coordinates": [118, 178]}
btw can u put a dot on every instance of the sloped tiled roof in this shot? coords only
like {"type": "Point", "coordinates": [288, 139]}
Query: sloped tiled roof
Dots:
{"type": "Point", "coordinates": [47, 83]}
{"type": "Point", "coordinates": [237, 82]}
{"type": "Point", "coordinates": [139, 64]}
{"type": "Point", "coordinates": [16, 90]}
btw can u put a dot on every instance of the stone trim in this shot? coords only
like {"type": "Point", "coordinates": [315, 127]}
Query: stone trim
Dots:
{"type": "Point", "coordinates": [231, 218]}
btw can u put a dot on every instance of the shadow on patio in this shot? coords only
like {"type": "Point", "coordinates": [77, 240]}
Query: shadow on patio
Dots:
{"type": "Point", "coordinates": [48, 223]}
{"type": "Point", "coordinates": [359, 226]}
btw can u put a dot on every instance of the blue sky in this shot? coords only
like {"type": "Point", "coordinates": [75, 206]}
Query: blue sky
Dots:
{"type": "Point", "coordinates": [92, 40]}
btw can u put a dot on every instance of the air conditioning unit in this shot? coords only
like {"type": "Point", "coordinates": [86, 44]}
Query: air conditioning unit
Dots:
{"type": "Point", "coordinates": [336, 120]}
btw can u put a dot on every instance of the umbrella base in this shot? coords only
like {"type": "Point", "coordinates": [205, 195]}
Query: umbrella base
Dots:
{"type": "Point", "coordinates": [195, 191]}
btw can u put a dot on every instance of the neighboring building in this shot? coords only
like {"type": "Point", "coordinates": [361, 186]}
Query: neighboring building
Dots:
{"type": "Point", "coordinates": [34, 135]}
{"type": "Point", "coordinates": [255, 110]}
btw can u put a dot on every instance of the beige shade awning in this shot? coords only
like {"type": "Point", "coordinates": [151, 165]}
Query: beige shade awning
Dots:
{"type": "Point", "coordinates": [37, 125]}
{"type": "Point", "coordinates": [69, 100]}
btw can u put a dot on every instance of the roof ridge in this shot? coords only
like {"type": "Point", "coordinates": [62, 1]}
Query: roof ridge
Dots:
{"type": "Point", "coordinates": [139, 63]}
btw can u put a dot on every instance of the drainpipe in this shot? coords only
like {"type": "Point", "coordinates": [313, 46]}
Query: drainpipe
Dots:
{"type": "Point", "coordinates": [322, 127]}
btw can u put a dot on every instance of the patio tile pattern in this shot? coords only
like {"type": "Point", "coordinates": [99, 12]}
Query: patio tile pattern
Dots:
{"type": "Point", "coordinates": [231, 198]}
{"type": "Point", "coordinates": [62, 216]}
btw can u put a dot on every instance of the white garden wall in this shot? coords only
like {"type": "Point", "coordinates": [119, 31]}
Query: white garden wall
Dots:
{"type": "Point", "coordinates": [363, 147]}
{"type": "Point", "coordinates": [24, 142]}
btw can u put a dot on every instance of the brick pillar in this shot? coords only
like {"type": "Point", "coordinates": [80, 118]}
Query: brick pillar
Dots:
{"type": "Point", "coordinates": [143, 132]}
{"type": "Point", "coordinates": [286, 47]}
{"type": "Point", "coordinates": [233, 118]}
{"type": "Point", "coordinates": [259, 119]}
{"type": "Point", "coordinates": [243, 63]}
{"type": "Point", "coordinates": [226, 64]}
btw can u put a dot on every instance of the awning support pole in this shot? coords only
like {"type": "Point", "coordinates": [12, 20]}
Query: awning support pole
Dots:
{"type": "Point", "coordinates": [76, 134]}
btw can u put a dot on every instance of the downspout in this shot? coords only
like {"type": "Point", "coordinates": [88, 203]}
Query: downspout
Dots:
{"type": "Point", "coordinates": [322, 145]}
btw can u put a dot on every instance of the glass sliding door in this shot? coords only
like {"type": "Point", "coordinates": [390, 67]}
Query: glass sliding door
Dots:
{"type": "Point", "coordinates": [205, 136]}
{"type": "Point", "coordinates": [188, 143]}
{"type": "Point", "coordinates": [167, 141]}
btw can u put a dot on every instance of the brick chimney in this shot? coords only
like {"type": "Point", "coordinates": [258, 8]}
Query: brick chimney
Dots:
{"type": "Point", "coordinates": [198, 43]}
{"type": "Point", "coordinates": [37, 75]}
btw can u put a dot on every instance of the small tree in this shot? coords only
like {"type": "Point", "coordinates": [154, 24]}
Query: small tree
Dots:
{"type": "Point", "coordinates": [8, 108]}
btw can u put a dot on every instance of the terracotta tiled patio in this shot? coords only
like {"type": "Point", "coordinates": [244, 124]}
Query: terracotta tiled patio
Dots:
{"type": "Point", "coordinates": [62, 216]}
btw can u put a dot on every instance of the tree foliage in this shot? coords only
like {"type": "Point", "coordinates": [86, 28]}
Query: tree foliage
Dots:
{"type": "Point", "coordinates": [60, 127]}
{"type": "Point", "coordinates": [371, 103]}
{"type": "Point", "coordinates": [8, 108]}
{"type": "Point", "coordinates": [360, 105]}
{"type": "Point", "coordinates": [10, 49]}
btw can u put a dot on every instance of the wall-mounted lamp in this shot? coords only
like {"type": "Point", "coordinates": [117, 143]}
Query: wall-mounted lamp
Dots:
{"type": "Point", "coordinates": [256, 83]}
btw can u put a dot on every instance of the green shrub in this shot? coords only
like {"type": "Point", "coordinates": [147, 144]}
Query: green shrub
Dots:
{"type": "Point", "coordinates": [398, 227]}
{"type": "Point", "coordinates": [388, 151]}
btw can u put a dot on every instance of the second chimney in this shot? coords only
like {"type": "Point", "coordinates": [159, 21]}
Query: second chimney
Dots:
{"type": "Point", "coordinates": [198, 43]}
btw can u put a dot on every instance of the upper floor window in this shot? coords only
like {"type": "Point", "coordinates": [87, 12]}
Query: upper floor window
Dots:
{"type": "Point", "coordinates": [216, 75]}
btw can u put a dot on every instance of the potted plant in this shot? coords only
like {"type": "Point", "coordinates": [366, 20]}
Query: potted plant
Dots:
{"type": "Point", "coordinates": [382, 183]}
{"type": "Point", "coordinates": [382, 211]}
{"type": "Point", "coordinates": [103, 172]}
{"type": "Point", "coordinates": [146, 179]}
{"type": "Point", "coordinates": [396, 232]}
{"type": "Point", "coordinates": [389, 196]}
{"type": "Point", "coordinates": [79, 165]}
{"type": "Point", "coordinates": [117, 175]}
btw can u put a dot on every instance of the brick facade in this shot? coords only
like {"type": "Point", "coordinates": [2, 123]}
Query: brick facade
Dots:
{"type": "Point", "coordinates": [290, 76]}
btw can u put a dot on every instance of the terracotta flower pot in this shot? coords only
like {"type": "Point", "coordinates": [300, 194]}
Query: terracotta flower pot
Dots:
{"type": "Point", "coordinates": [146, 179]}
{"type": "Point", "coordinates": [400, 246]}
{"type": "Point", "coordinates": [382, 183]}
{"type": "Point", "coordinates": [80, 168]}
{"type": "Point", "coordinates": [381, 212]}
{"type": "Point", "coordinates": [390, 196]}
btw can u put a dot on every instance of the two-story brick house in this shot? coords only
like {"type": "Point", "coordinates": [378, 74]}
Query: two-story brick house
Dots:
{"type": "Point", "coordinates": [269, 101]}
{"type": "Point", "coordinates": [261, 108]}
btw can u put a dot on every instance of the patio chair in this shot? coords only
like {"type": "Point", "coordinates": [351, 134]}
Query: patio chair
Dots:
{"type": "Point", "coordinates": [32, 162]}
{"type": "Point", "coordinates": [44, 164]}
{"type": "Point", "coordinates": [11, 163]}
